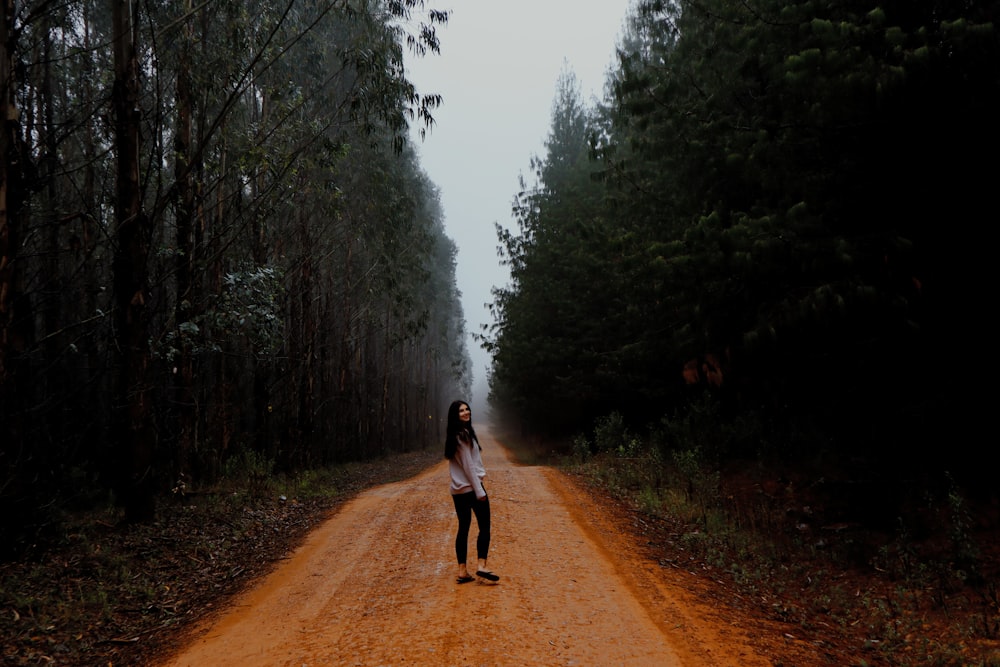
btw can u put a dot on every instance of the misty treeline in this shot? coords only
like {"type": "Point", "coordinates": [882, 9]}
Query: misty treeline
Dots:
{"type": "Point", "coordinates": [773, 225]}
{"type": "Point", "coordinates": [216, 246]}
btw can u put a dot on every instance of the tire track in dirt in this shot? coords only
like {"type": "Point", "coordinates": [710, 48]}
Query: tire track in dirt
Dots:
{"type": "Point", "coordinates": [374, 585]}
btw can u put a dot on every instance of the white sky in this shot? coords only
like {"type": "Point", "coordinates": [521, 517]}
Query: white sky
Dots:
{"type": "Point", "coordinates": [497, 72]}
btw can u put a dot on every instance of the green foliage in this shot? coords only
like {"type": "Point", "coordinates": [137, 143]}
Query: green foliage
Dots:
{"type": "Point", "coordinates": [765, 185]}
{"type": "Point", "coordinates": [581, 448]}
{"type": "Point", "coordinates": [701, 482]}
{"type": "Point", "coordinates": [702, 426]}
{"type": "Point", "coordinates": [251, 471]}
{"type": "Point", "coordinates": [310, 484]}
{"type": "Point", "coordinates": [546, 341]}
{"type": "Point", "coordinates": [965, 551]}
{"type": "Point", "coordinates": [250, 306]}
{"type": "Point", "coordinates": [611, 435]}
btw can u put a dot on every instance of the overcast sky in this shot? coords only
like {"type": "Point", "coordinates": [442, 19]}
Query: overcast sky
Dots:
{"type": "Point", "coordinates": [497, 72]}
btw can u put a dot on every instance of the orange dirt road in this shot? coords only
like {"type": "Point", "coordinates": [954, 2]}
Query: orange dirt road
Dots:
{"type": "Point", "coordinates": [375, 585]}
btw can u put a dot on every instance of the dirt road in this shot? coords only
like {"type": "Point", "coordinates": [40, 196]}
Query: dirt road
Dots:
{"type": "Point", "coordinates": [375, 585]}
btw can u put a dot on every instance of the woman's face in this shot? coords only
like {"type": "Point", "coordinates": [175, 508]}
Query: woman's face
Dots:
{"type": "Point", "coordinates": [464, 413]}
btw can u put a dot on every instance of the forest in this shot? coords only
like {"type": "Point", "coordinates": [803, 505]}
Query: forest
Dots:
{"type": "Point", "coordinates": [767, 242]}
{"type": "Point", "coordinates": [217, 248]}
{"type": "Point", "coordinates": [748, 294]}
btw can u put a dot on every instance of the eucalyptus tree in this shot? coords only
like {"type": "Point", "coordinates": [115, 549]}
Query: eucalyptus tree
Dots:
{"type": "Point", "coordinates": [323, 110]}
{"type": "Point", "coordinates": [435, 362]}
{"type": "Point", "coordinates": [177, 178]}
{"type": "Point", "coordinates": [132, 422]}
{"type": "Point", "coordinates": [447, 356]}
{"type": "Point", "coordinates": [15, 322]}
{"type": "Point", "coordinates": [59, 248]}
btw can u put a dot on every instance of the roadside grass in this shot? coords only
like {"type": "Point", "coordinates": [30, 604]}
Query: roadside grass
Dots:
{"type": "Point", "coordinates": [868, 596]}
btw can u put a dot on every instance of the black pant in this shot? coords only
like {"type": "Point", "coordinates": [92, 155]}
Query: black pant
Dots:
{"type": "Point", "coordinates": [465, 505]}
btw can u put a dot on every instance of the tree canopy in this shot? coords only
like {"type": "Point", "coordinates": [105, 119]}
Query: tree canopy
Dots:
{"type": "Point", "coordinates": [780, 207]}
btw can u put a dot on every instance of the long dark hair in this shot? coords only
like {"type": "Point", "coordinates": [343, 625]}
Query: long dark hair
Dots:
{"type": "Point", "coordinates": [456, 426]}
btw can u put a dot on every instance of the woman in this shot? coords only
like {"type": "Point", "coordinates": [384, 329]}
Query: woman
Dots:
{"type": "Point", "coordinates": [465, 465]}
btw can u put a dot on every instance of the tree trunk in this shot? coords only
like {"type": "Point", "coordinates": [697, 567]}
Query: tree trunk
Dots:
{"type": "Point", "coordinates": [383, 416]}
{"type": "Point", "coordinates": [12, 445]}
{"type": "Point", "coordinates": [307, 385]}
{"type": "Point", "coordinates": [134, 434]}
{"type": "Point", "coordinates": [15, 323]}
{"type": "Point", "coordinates": [8, 226]}
{"type": "Point", "coordinates": [185, 303]}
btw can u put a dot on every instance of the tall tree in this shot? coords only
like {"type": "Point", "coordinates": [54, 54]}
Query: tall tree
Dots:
{"type": "Point", "coordinates": [187, 296]}
{"type": "Point", "coordinates": [758, 168]}
{"type": "Point", "coordinates": [553, 341]}
{"type": "Point", "coordinates": [134, 432]}
{"type": "Point", "coordinates": [15, 333]}
{"type": "Point", "coordinates": [221, 267]}
{"type": "Point", "coordinates": [785, 141]}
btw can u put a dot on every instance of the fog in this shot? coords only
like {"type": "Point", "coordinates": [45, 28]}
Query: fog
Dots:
{"type": "Point", "coordinates": [497, 72]}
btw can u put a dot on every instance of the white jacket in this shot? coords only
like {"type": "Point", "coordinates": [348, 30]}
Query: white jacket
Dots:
{"type": "Point", "coordinates": [467, 471]}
